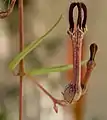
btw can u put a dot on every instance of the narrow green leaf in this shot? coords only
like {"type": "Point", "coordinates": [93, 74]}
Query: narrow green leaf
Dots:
{"type": "Point", "coordinates": [31, 47]}
{"type": "Point", "coordinates": [60, 68]}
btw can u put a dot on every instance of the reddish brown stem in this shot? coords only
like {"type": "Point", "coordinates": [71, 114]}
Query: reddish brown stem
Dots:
{"type": "Point", "coordinates": [21, 65]}
{"type": "Point", "coordinates": [55, 101]}
{"type": "Point", "coordinates": [4, 14]}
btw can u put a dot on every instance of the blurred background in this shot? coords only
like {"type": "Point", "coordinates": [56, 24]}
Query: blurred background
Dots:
{"type": "Point", "coordinates": [39, 16]}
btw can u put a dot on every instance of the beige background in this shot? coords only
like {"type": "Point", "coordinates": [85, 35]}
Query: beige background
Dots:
{"type": "Point", "coordinates": [39, 17]}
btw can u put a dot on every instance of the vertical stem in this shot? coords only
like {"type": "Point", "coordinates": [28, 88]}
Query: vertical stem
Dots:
{"type": "Point", "coordinates": [21, 65]}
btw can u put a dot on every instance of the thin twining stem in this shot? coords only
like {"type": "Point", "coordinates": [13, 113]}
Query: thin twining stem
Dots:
{"type": "Point", "coordinates": [55, 101]}
{"type": "Point", "coordinates": [21, 48]}
{"type": "Point", "coordinates": [4, 14]}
